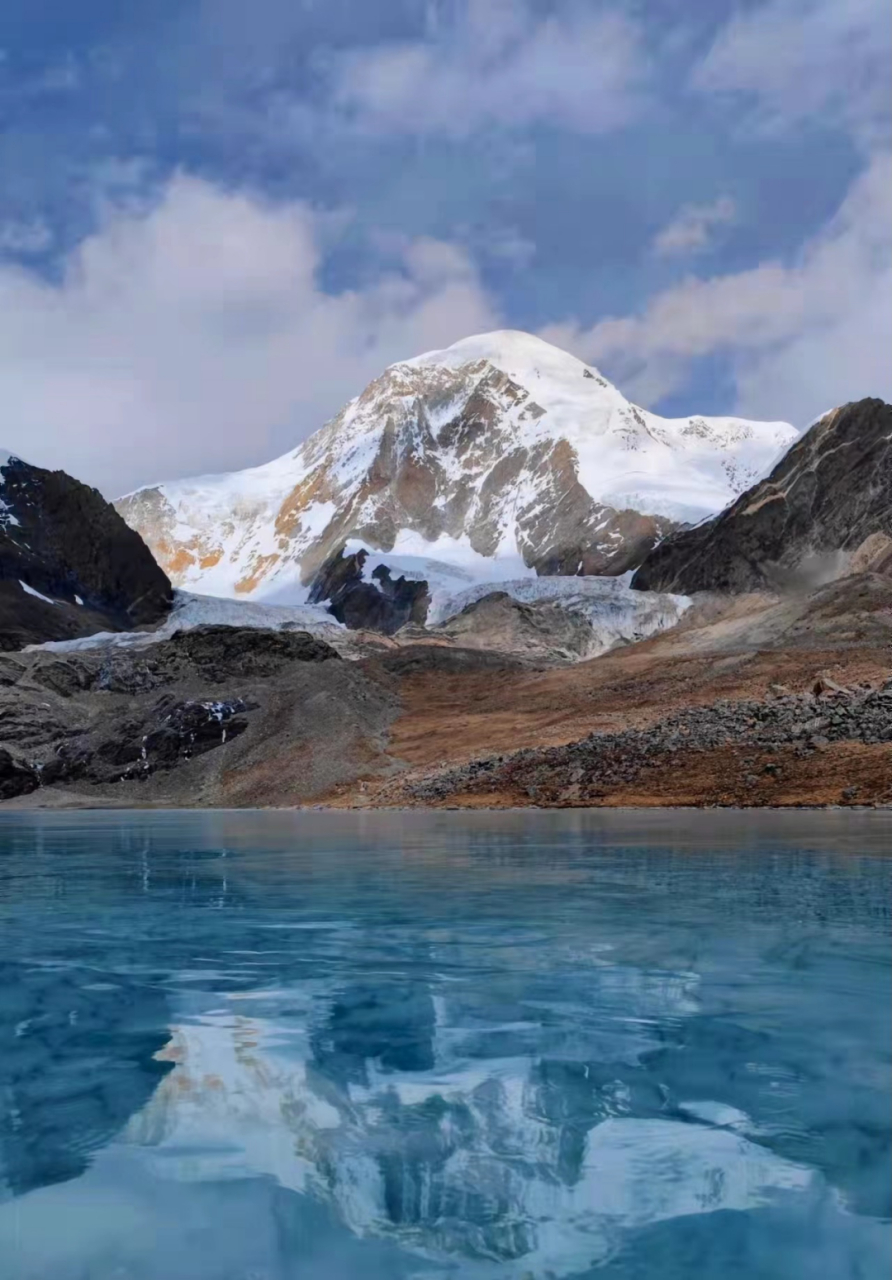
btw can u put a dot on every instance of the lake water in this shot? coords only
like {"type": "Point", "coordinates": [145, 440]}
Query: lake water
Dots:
{"type": "Point", "coordinates": [260, 1046]}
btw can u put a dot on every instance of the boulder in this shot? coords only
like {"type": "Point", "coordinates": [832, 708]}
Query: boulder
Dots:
{"type": "Point", "coordinates": [17, 778]}
{"type": "Point", "coordinates": [826, 685]}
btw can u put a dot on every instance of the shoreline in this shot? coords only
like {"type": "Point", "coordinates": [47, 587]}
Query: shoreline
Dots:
{"type": "Point", "coordinates": [161, 807]}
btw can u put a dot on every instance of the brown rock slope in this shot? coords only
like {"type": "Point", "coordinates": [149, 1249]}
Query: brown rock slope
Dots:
{"type": "Point", "coordinates": [721, 710]}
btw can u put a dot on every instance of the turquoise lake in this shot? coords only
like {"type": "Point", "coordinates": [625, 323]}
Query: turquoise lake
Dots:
{"type": "Point", "coordinates": [405, 1046]}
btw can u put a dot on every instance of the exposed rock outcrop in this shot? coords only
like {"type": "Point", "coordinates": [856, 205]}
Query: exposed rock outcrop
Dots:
{"type": "Point", "coordinates": [169, 721]}
{"type": "Point", "coordinates": [168, 733]}
{"type": "Point", "coordinates": [69, 564]}
{"type": "Point", "coordinates": [542, 631]}
{"type": "Point", "coordinates": [384, 604]}
{"type": "Point", "coordinates": [212, 654]}
{"type": "Point", "coordinates": [825, 509]}
{"type": "Point", "coordinates": [16, 776]}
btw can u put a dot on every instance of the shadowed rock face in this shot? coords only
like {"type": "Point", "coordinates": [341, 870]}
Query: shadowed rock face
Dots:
{"type": "Point", "coordinates": [362, 605]}
{"type": "Point", "coordinates": [807, 522]}
{"type": "Point", "coordinates": [64, 541]}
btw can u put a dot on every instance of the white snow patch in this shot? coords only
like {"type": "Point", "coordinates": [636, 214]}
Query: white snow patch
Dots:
{"type": "Point", "coordinates": [447, 565]}
{"type": "Point", "coordinates": [36, 594]}
{"type": "Point", "coordinates": [7, 516]}
{"type": "Point", "coordinates": [197, 610]}
{"type": "Point", "coordinates": [315, 519]}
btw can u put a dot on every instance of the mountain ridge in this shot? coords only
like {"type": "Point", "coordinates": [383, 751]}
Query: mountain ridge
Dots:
{"type": "Point", "coordinates": [827, 501]}
{"type": "Point", "coordinates": [69, 564]}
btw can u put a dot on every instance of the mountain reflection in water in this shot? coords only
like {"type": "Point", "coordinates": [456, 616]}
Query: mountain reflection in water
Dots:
{"type": "Point", "coordinates": [270, 1046]}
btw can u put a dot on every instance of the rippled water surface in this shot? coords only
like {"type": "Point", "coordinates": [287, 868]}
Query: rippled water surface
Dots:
{"type": "Point", "coordinates": [260, 1046]}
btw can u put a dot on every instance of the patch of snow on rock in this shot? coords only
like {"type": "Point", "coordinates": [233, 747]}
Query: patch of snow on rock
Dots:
{"type": "Point", "coordinates": [7, 516]}
{"type": "Point", "coordinates": [36, 594]}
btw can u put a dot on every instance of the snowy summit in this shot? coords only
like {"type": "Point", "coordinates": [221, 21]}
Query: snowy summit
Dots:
{"type": "Point", "coordinates": [499, 456]}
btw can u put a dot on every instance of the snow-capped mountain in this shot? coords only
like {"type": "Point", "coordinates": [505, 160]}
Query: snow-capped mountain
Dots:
{"type": "Point", "coordinates": [564, 1167]}
{"type": "Point", "coordinates": [498, 457]}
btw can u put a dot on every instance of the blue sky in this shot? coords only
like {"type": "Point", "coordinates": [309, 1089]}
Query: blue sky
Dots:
{"type": "Point", "coordinates": [219, 220]}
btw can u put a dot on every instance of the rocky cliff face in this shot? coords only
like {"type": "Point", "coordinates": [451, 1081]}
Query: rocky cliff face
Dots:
{"type": "Point", "coordinates": [825, 509]}
{"type": "Point", "coordinates": [385, 604]}
{"type": "Point", "coordinates": [500, 448]}
{"type": "Point", "coordinates": [69, 564]}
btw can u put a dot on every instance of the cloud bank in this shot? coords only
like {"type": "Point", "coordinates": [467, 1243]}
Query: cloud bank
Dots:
{"type": "Point", "coordinates": [582, 68]}
{"type": "Point", "coordinates": [789, 61]}
{"type": "Point", "coordinates": [195, 336]}
{"type": "Point", "coordinates": [693, 229]}
{"type": "Point", "coordinates": [801, 336]}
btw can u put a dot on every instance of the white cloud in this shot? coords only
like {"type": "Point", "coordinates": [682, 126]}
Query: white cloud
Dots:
{"type": "Point", "coordinates": [195, 336]}
{"type": "Point", "coordinates": [582, 68]}
{"type": "Point", "coordinates": [800, 336]}
{"type": "Point", "coordinates": [504, 244]}
{"type": "Point", "coordinates": [511, 247]}
{"type": "Point", "coordinates": [492, 242]}
{"type": "Point", "coordinates": [692, 229]}
{"type": "Point", "coordinates": [796, 59]}
{"type": "Point", "coordinates": [25, 238]}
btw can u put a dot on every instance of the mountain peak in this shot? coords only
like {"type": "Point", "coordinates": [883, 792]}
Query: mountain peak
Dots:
{"type": "Point", "coordinates": [501, 450]}
{"type": "Point", "coordinates": [9, 455]}
{"type": "Point", "coordinates": [501, 346]}
{"type": "Point", "coordinates": [524, 357]}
